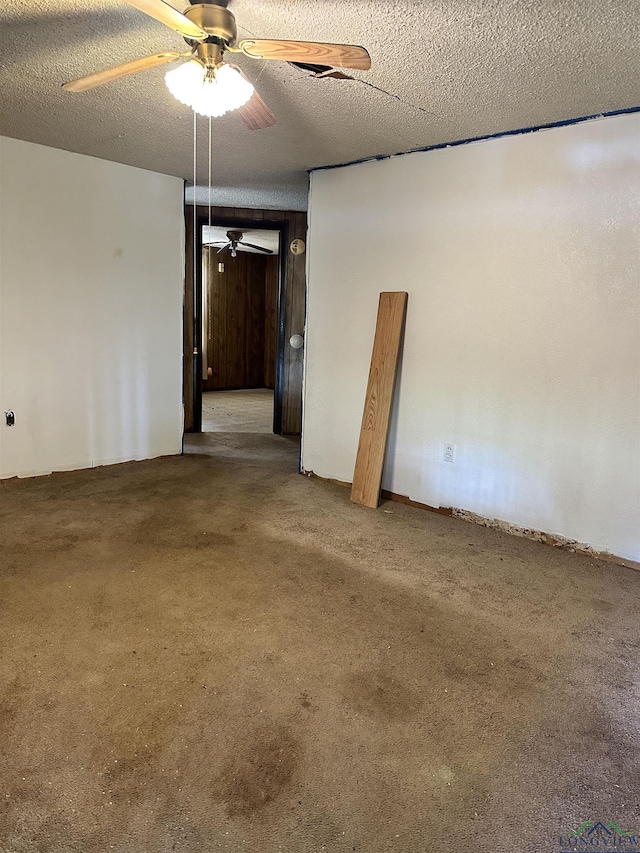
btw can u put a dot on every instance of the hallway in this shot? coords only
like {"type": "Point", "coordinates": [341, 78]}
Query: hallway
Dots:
{"type": "Point", "coordinates": [246, 410]}
{"type": "Point", "coordinates": [237, 426]}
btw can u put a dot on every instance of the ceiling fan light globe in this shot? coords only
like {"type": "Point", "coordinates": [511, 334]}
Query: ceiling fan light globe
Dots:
{"type": "Point", "coordinates": [235, 90]}
{"type": "Point", "coordinates": [209, 100]}
{"type": "Point", "coordinates": [185, 81]}
{"type": "Point", "coordinates": [206, 94]}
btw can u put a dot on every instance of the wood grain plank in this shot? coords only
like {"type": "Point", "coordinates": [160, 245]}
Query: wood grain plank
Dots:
{"type": "Point", "coordinates": [367, 477]}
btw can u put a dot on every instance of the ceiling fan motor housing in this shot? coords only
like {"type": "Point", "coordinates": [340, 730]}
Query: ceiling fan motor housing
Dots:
{"type": "Point", "coordinates": [215, 19]}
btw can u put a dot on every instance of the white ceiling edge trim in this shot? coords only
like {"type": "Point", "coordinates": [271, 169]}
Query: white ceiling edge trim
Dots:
{"type": "Point", "coordinates": [285, 198]}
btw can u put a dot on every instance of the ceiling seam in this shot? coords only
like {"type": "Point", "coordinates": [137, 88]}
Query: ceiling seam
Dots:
{"type": "Point", "coordinates": [455, 143]}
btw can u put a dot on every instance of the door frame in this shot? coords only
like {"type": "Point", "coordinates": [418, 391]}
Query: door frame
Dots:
{"type": "Point", "coordinates": [280, 225]}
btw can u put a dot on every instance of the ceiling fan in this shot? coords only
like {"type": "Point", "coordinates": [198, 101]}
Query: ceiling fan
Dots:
{"type": "Point", "coordinates": [206, 82]}
{"type": "Point", "coordinates": [235, 240]}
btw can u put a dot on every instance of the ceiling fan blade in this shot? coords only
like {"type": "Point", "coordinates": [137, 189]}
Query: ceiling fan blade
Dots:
{"type": "Point", "coordinates": [169, 16]}
{"type": "Point", "coordinates": [102, 77]}
{"type": "Point", "coordinates": [226, 246]}
{"type": "Point", "coordinates": [340, 55]}
{"type": "Point", "coordinates": [253, 246]}
{"type": "Point", "coordinates": [255, 113]}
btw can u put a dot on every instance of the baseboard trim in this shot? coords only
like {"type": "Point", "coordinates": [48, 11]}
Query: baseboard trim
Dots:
{"type": "Point", "coordinates": [497, 524]}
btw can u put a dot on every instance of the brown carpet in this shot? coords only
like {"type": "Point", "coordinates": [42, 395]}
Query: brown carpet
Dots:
{"type": "Point", "coordinates": [213, 653]}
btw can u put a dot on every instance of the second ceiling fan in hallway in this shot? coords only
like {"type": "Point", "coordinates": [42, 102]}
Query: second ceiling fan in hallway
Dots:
{"type": "Point", "coordinates": [235, 240]}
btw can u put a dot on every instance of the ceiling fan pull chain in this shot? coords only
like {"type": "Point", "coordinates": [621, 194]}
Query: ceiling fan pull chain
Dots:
{"type": "Point", "coordinates": [195, 228]}
{"type": "Point", "coordinates": [209, 174]}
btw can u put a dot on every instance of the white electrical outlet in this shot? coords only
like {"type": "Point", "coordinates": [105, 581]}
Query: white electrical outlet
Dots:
{"type": "Point", "coordinates": [449, 453]}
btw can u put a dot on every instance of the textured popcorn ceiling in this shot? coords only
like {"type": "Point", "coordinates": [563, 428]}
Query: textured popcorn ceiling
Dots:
{"type": "Point", "coordinates": [450, 69]}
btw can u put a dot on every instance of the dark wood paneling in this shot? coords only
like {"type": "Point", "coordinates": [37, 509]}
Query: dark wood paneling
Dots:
{"type": "Point", "coordinates": [254, 327]}
{"type": "Point", "coordinates": [293, 287]}
{"type": "Point", "coordinates": [236, 325]}
{"type": "Point", "coordinates": [270, 321]}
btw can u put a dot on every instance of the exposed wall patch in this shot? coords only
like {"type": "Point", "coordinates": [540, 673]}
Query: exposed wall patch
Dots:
{"type": "Point", "coordinates": [555, 541]}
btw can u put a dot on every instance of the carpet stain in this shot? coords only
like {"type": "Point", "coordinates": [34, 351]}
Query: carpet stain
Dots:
{"type": "Point", "coordinates": [259, 773]}
{"type": "Point", "coordinates": [304, 700]}
{"type": "Point", "coordinates": [382, 695]}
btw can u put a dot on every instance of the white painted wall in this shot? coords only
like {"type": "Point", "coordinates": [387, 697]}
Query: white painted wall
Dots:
{"type": "Point", "coordinates": [91, 284]}
{"type": "Point", "coordinates": [520, 256]}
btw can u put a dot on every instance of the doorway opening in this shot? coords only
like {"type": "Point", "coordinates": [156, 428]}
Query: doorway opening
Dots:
{"type": "Point", "coordinates": [239, 327]}
{"type": "Point", "coordinates": [290, 229]}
